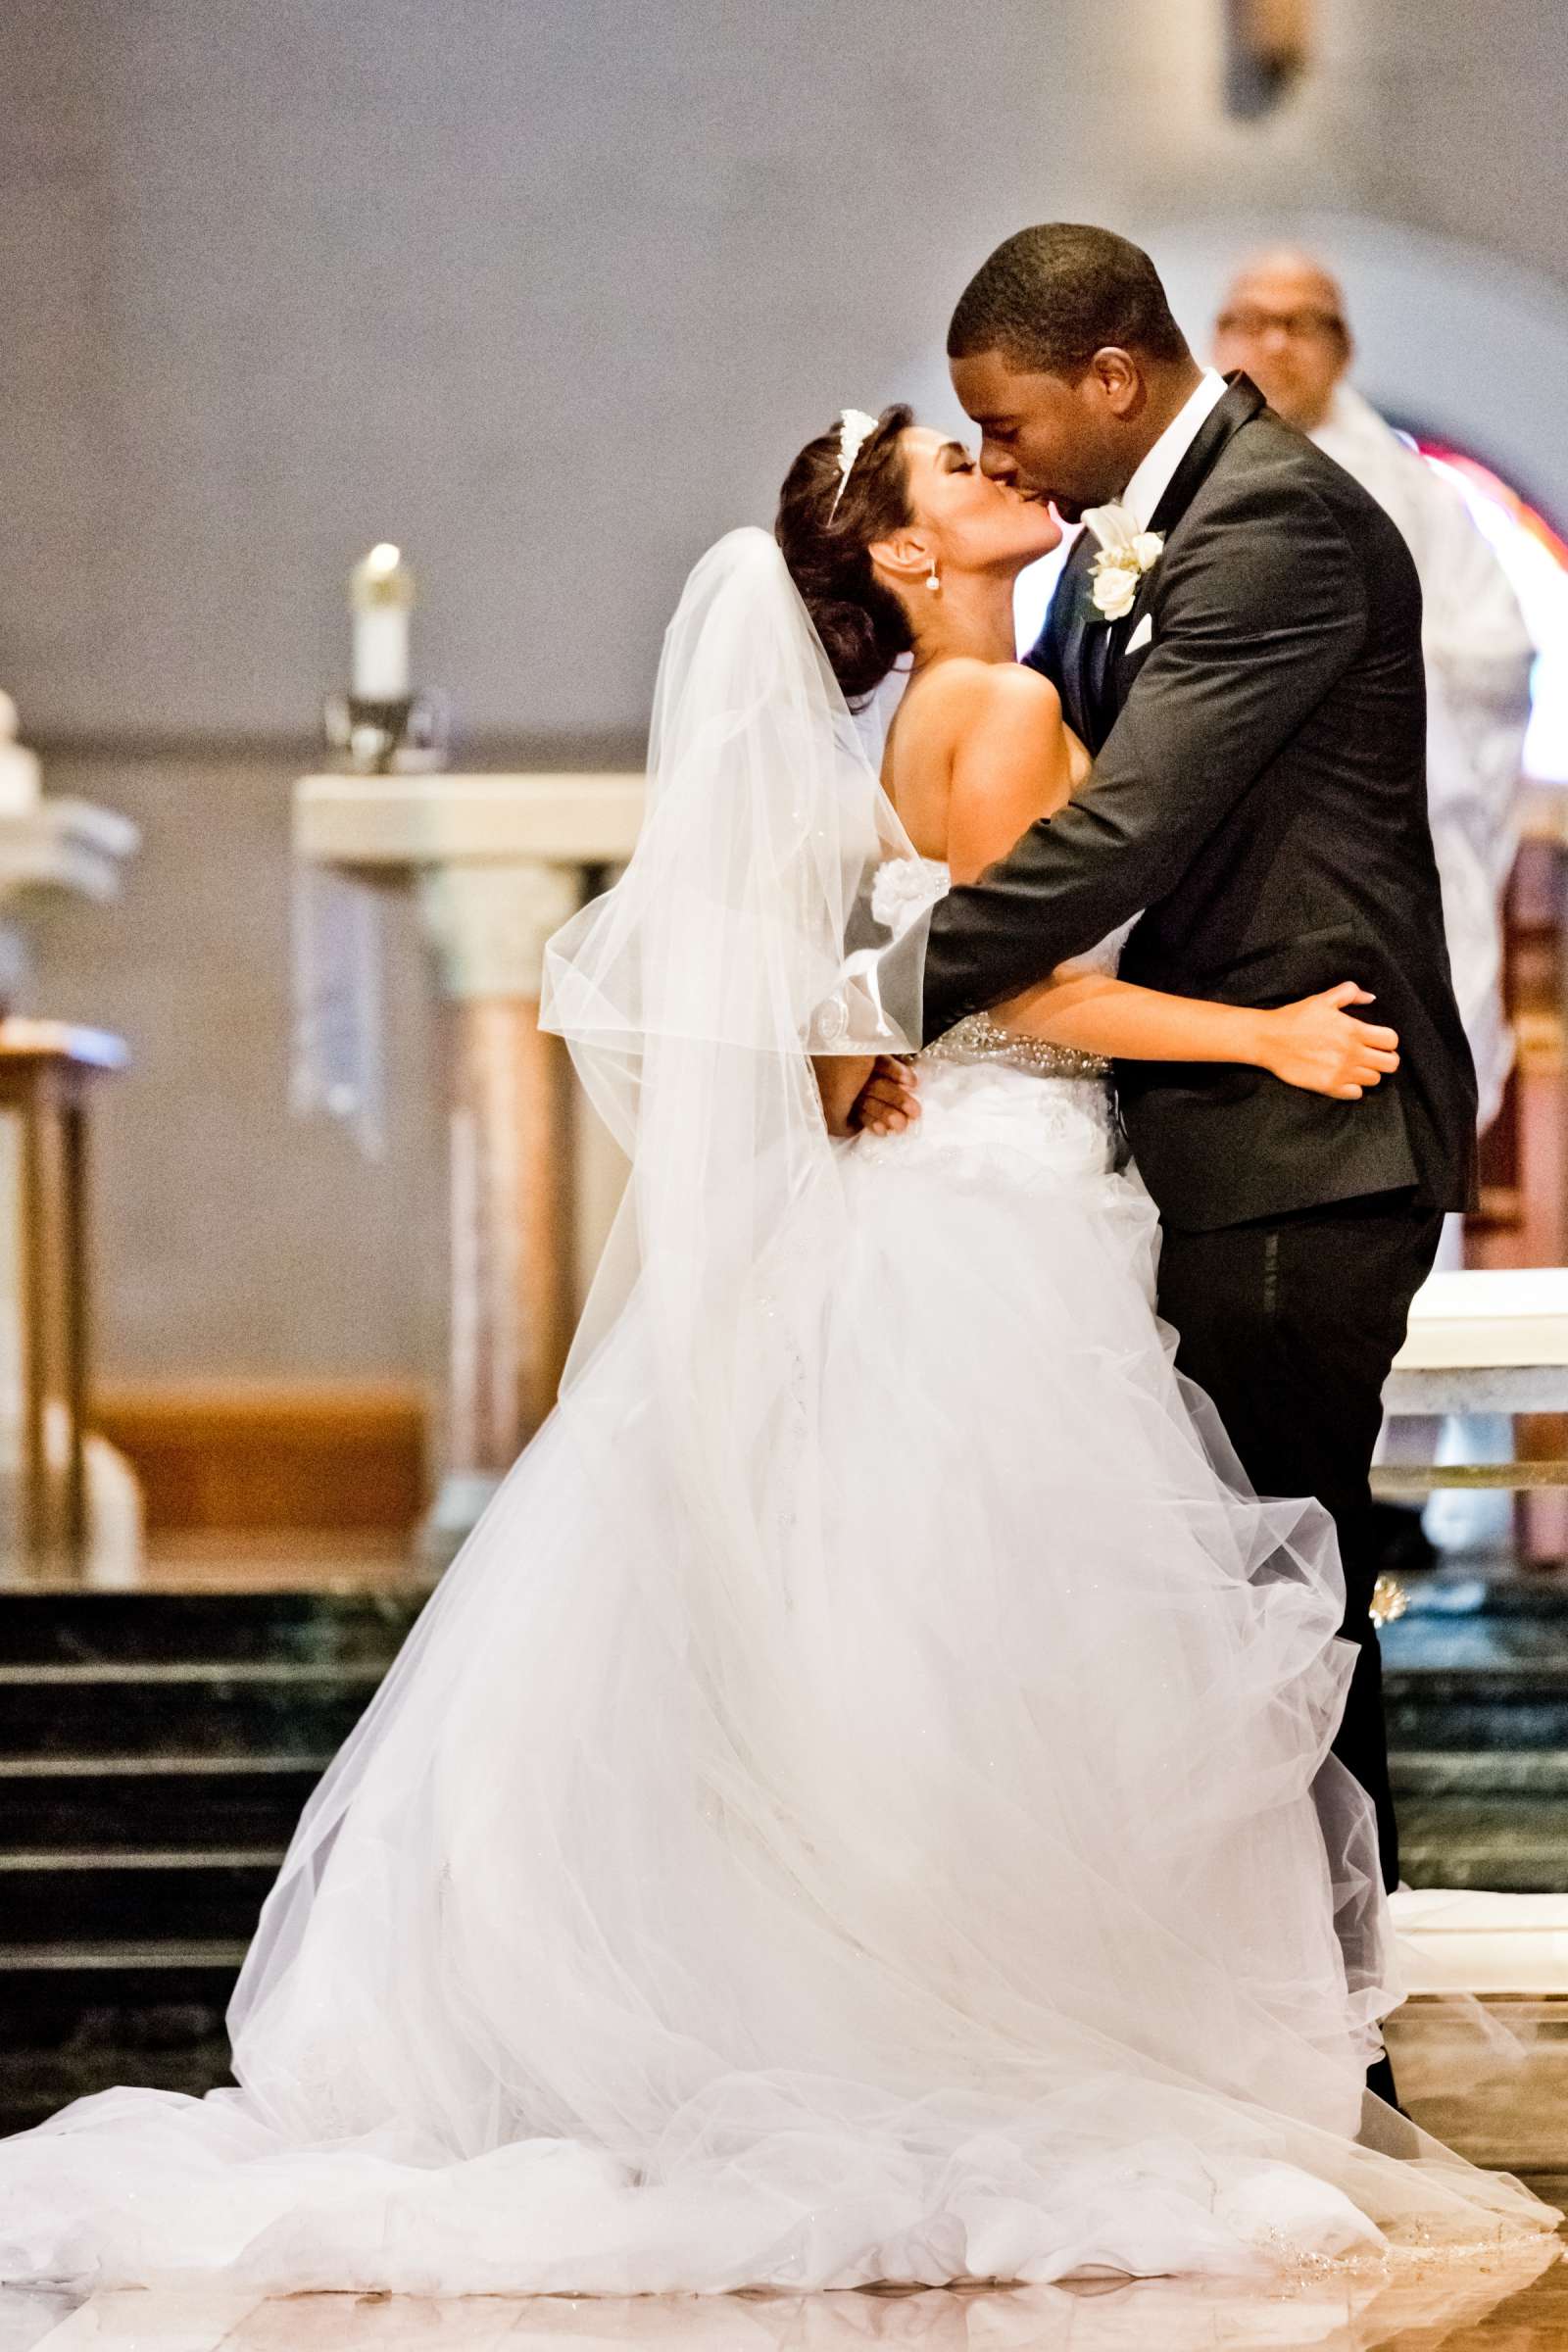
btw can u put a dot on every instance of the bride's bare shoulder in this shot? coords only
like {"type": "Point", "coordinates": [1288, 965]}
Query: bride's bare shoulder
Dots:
{"type": "Point", "coordinates": [990, 705]}
{"type": "Point", "coordinates": [1005, 687]}
{"type": "Point", "coordinates": [1011, 765]}
{"type": "Point", "coordinates": [967, 701]}
{"type": "Point", "coordinates": [981, 750]}
{"type": "Point", "coordinates": [993, 703]}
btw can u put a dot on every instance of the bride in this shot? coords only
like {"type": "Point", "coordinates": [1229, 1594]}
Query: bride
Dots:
{"type": "Point", "coordinates": [859, 1810]}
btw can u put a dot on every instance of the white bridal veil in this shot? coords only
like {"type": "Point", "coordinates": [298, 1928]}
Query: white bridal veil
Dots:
{"type": "Point", "coordinates": [739, 941]}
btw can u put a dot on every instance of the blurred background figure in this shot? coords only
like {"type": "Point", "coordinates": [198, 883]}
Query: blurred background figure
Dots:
{"type": "Point", "coordinates": [1283, 323]}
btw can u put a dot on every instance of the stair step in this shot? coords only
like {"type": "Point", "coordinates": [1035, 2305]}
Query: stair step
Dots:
{"type": "Point", "coordinates": [35, 2083]}
{"type": "Point", "coordinates": [1542, 1822]}
{"type": "Point", "coordinates": [174, 1801]}
{"type": "Point", "coordinates": [156, 1751]}
{"type": "Point", "coordinates": [160, 1896]}
{"type": "Point", "coordinates": [1476, 1643]}
{"type": "Point", "coordinates": [222, 1953]}
{"type": "Point", "coordinates": [1494, 1865]}
{"type": "Point", "coordinates": [1476, 1814]}
{"type": "Point", "coordinates": [1466, 1724]}
{"type": "Point", "coordinates": [116, 1995]}
{"type": "Point", "coordinates": [198, 1674]}
{"type": "Point", "coordinates": [1495, 1679]}
{"type": "Point", "coordinates": [208, 1709]}
{"type": "Point", "coordinates": [16, 1769]}
{"type": "Point", "coordinates": [74, 1628]}
{"type": "Point", "coordinates": [1528, 1773]}
{"type": "Point", "coordinates": [1509, 1707]}
{"type": "Point", "coordinates": [1486, 1591]}
{"type": "Point", "coordinates": [20, 1861]}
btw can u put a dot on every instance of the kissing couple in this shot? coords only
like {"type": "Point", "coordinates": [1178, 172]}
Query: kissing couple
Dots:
{"type": "Point", "coordinates": [893, 1789]}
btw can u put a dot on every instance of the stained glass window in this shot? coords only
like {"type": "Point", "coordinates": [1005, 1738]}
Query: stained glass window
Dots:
{"type": "Point", "coordinates": [1536, 559]}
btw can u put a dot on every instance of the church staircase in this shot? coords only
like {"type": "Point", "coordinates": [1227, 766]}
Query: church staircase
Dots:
{"type": "Point", "coordinates": [1475, 1688]}
{"type": "Point", "coordinates": [156, 1749]}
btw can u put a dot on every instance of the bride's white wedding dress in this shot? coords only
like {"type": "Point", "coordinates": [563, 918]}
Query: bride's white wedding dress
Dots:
{"type": "Point", "coordinates": [859, 1809]}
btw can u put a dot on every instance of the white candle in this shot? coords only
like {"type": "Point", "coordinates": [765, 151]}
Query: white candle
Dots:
{"type": "Point", "coordinates": [381, 594]}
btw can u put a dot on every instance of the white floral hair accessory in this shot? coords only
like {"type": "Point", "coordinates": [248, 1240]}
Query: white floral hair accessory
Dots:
{"type": "Point", "coordinates": [856, 428]}
{"type": "Point", "coordinates": [1126, 554]}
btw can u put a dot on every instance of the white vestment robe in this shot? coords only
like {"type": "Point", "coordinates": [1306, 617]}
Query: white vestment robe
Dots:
{"type": "Point", "coordinates": [1479, 656]}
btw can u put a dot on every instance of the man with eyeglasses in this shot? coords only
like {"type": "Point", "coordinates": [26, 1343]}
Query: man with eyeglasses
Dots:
{"type": "Point", "coordinates": [1284, 323]}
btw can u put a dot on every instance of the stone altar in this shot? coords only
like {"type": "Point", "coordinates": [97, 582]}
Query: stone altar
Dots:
{"type": "Point", "coordinates": [495, 865]}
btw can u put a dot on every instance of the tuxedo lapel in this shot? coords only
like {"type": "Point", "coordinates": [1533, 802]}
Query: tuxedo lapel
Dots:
{"type": "Point", "coordinates": [1242, 402]}
{"type": "Point", "coordinates": [1078, 649]}
{"type": "Point", "coordinates": [1109, 681]}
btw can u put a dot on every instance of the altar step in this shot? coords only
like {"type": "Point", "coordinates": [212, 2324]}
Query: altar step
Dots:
{"type": "Point", "coordinates": [220, 1708]}
{"type": "Point", "coordinates": [156, 1750]}
{"type": "Point", "coordinates": [1476, 1818]}
{"type": "Point", "coordinates": [1476, 1689]}
{"type": "Point", "coordinates": [1481, 1709]}
{"type": "Point", "coordinates": [187, 1802]}
{"type": "Point", "coordinates": [54, 1901]}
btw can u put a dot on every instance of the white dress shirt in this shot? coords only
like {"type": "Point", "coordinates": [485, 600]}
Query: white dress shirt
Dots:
{"type": "Point", "coordinates": [1157, 472]}
{"type": "Point", "coordinates": [1126, 517]}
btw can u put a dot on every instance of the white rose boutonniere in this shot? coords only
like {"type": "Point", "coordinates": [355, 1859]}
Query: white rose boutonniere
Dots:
{"type": "Point", "coordinates": [1126, 556]}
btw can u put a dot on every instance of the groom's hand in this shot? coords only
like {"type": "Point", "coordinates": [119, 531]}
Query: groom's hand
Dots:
{"type": "Point", "coordinates": [889, 1100]}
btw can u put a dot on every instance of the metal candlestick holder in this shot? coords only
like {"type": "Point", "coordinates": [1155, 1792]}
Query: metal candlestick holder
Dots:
{"type": "Point", "coordinates": [373, 738]}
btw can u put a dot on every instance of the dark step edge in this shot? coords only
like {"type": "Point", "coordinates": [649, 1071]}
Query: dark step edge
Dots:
{"type": "Point", "coordinates": [74, 1860]}
{"type": "Point", "coordinates": [68, 1957]}
{"type": "Point", "coordinates": [154, 1767]}
{"type": "Point", "coordinates": [1444, 1760]}
{"type": "Point", "coordinates": [1481, 1683]}
{"type": "Point", "coordinates": [171, 1674]}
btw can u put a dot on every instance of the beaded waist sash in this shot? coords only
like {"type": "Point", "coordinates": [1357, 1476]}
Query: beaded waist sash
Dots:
{"type": "Point", "coordinates": [979, 1038]}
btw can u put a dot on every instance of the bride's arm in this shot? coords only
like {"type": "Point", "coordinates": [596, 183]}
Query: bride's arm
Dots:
{"type": "Point", "coordinates": [1314, 1043]}
{"type": "Point", "coordinates": [1011, 766]}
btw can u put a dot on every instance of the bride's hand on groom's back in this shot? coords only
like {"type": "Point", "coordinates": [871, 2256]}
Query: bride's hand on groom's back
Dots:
{"type": "Point", "coordinates": [1317, 1043]}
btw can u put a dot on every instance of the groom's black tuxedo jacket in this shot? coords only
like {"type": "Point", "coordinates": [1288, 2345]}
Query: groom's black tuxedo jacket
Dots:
{"type": "Point", "coordinates": [1259, 788]}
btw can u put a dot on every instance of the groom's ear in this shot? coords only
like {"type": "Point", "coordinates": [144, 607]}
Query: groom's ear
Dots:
{"type": "Point", "coordinates": [1119, 381]}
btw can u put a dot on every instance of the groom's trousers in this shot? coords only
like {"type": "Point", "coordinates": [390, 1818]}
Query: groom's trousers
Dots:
{"type": "Point", "coordinates": [1291, 1325]}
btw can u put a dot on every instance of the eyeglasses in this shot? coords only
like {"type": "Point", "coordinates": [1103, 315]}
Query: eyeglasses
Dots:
{"type": "Point", "coordinates": [1299, 326]}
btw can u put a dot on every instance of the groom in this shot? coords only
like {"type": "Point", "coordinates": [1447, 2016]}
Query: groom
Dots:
{"type": "Point", "coordinates": [1249, 679]}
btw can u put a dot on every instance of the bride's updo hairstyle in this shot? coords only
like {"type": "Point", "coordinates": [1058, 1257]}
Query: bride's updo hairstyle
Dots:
{"type": "Point", "coordinates": [861, 624]}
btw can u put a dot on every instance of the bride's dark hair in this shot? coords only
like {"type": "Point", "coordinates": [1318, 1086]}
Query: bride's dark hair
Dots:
{"type": "Point", "coordinates": [862, 625]}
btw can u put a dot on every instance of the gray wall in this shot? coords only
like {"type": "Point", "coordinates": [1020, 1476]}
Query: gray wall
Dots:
{"type": "Point", "coordinates": [549, 290]}
{"type": "Point", "coordinates": [231, 1237]}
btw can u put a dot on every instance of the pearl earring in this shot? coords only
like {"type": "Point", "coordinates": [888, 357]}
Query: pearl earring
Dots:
{"type": "Point", "coordinates": [931, 579]}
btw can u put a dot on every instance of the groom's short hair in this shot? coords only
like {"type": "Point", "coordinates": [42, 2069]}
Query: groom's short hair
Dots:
{"type": "Point", "coordinates": [1051, 297]}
